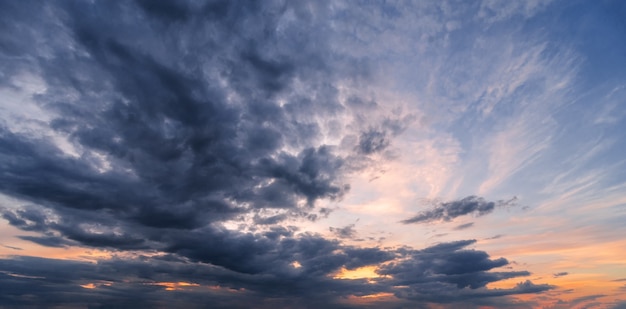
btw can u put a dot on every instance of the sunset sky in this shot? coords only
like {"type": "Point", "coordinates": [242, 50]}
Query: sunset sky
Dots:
{"type": "Point", "coordinates": [313, 154]}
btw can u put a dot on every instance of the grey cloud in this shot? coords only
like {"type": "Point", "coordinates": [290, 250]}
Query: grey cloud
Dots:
{"type": "Point", "coordinates": [344, 232]}
{"type": "Point", "coordinates": [47, 241]}
{"type": "Point", "coordinates": [378, 139]}
{"type": "Point", "coordinates": [269, 220]}
{"type": "Point", "coordinates": [26, 218]}
{"type": "Point", "coordinates": [447, 211]}
{"type": "Point", "coordinates": [438, 235]}
{"type": "Point", "coordinates": [495, 237]}
{"type": "Point", "coordinates": [443, 273]}
{"type": "Point", "coordinates": [443, 294]}
{"type": "Point", "coordinates": [435, 274]}
{"type": "Point", "coordinates": [589, 301]}
{"type": "Point", "coordinates": [11, 247]}
{"type": "Point", "coordinates": [181, 154]}
{"type": "Point", "coordinates": [464, 226]}
{"type": "Point", "coordinates": [462, 268]}
{"type": "Point", "coordinates": [373, 141]}
{"type": "Point", "coordinates": [132, 283]}
{"type": "Point", "coordinates": [185, 115]}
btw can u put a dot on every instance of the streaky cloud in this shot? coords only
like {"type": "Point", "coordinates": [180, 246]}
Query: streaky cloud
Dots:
{"type": "Point", "coordinates": [464, 226]}
{"type": "Point", "coordinates": [447, 211]}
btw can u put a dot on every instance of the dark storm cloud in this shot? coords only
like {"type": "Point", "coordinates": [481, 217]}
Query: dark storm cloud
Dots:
{"type": "Point", "coordinates": [47, 241]}
{"type": "Point", "coordinates": [436, 274]}
{"type": "Point", "coordinates": [183, 115]}
{"type": "Point", "coordinates": [448, 273]}
{"type": "Point", "coordinates": [447, 211]}
{"type": "Point", "coordinates": [463, 268]}
{"type": "Point", "coordinates": [190, 124]}
{"type": "Point", "coordinates": [444, 273]}
{"type": "Point", "coordinates": [138, 282]}
{"type": "Point", "coordinates": [443, 294]}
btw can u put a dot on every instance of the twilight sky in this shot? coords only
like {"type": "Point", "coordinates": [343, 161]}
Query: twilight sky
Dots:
{"type": "Point", "coordinates": [313, 154]}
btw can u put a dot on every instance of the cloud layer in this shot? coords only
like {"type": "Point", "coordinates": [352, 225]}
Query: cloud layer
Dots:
{"type": "Point", "coordinates": [442, 273]}
{"type": "Point", "coordinates": [185, 138]}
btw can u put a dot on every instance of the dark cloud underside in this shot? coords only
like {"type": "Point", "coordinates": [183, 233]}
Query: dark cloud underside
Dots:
{"type": "Point", "coordinates": [443, 273]}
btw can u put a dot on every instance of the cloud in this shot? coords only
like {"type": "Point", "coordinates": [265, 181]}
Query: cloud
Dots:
{"type": "Point", "coordinates": [11, 247]}
{"type": "Point", "coordinates": [494, 11]}
{"type": "Point", "coordinates": [447, 211]}
{"type": "Point", "coordinates": [344, 232]}
{"type": "Point", "coordinates": [372, 141]}
{"type": "Point", "coordinates": [620, 305]}
{"type": "Point", "coordinates": [561, 274]}
{"type": "Point", "coordinates": [586, 298]}
{"type": "Point", "coordinates": [444, 272]}
{"type": "Point", "coordinates": [168, 147]}
{"type": "Point", "coordinates": [47, 241]}
{"type": "Point", "coordinates": [186, 136]}
{"type": "Point", "coordinates": [433, 274]}
{"type": "Point", "coordinates": [464, 226]}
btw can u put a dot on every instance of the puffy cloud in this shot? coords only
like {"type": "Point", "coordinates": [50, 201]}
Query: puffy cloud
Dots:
{"type": "Point", "coordinates": [210, 123]}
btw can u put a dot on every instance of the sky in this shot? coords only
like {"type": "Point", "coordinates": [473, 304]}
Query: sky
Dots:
{"type": "Point", "coordinates": [313, 154]}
